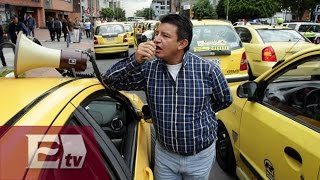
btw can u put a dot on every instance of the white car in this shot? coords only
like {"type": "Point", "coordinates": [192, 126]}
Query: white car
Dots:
{"type": "Point", "coordinates": [304, 27]}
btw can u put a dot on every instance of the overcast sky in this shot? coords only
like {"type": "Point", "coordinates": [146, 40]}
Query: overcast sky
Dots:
{"type": "Point", "coordinates": [131, 6]}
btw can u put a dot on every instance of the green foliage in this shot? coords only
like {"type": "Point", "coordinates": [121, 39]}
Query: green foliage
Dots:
{"type": "Point", "coordinates": [221, 9]}
{"type": "Point", "coordinates": [107, 13]}
{"type": "Point", "coordinates": [147, 13]}
{"type": "Point", "coordinates": [248, 9]}
{"type": "Point", "coordinates": [298, 6]}
{"type": "Point", "coordinates": [203, 9]}
{"type": "Point", "coordinates": [119, 14]}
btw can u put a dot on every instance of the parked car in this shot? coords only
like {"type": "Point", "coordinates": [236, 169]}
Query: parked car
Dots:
{"type": "Point", "coordinates": [238, 23]}
{"type": "Point", "coordinates": [271, 130]}
{"type": "Point", "coordinates": [217, 40]}
{"type": "Point", "coordinates": [130, 33]}
{"type": "Point", "coordinates": [306, 27]}
{"type": "Point", "coordinates": [266, 45]}
{"type": "Point", "coordinates": [111, 37]}
{"type": "Point", "coordinates": [69, 127]}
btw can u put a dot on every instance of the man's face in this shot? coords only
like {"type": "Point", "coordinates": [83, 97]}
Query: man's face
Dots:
{"type": "Point", "coordinates": [15, 20]}
{"type": "Point", "coordinates": [166, 41]}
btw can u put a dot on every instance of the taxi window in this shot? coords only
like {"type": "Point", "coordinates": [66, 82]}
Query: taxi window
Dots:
{"type": "Point", "coordinates": [214, 36]}
{"type": "Point", "coordinates": [280, 35]}
{"type": "Point", "coordinates": [297, 92]}
{"type": "Point", "coordinates": [110, 29]}
{"type": "Point", "coordinates": [128, 28]}
{"type": "Point", "coordinates": [293, 26]}
{"type": "Point", "coordinates": [94, 165]}
{"type": "Point", "coordinates": [309, 27]}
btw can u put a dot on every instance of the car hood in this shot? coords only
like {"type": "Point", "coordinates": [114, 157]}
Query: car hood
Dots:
{"type": "Point", "coordinates": [18, 94]}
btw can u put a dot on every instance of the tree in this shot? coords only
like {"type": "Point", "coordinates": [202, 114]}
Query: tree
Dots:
{"type": "Point", "coordinates": [107, 13]}
{"type": "Point", "coordinates": [203, 9]}
{"type": "Point", "coordinates": [221, 9]}
{"type": "Point", "coordinates": [299, 6]}
{"type": "Point", "coordinates": [249, 9]}
{"type": "Point", "coordinates": [119, 14]}
{"type": "Point", "coordinates": [147, 13]}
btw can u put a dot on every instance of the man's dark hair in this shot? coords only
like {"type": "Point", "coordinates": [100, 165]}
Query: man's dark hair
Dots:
{"type": "Point", "coordinates": [184, 27]}
{"type": "Point", "coordinates": [14, 16]}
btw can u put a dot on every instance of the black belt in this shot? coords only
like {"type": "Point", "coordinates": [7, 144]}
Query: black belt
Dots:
{"type": "Point", "coordinates": [191, 153]}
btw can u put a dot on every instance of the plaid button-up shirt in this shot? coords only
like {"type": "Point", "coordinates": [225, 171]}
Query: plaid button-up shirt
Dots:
{"type": "Point", "coordinates": [183, 110]}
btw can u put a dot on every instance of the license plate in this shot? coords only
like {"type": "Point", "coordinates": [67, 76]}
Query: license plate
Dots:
{"type": "Point", "coordinates": [109, 39]}
{"type": "Point", "coordinates": [216, 61]}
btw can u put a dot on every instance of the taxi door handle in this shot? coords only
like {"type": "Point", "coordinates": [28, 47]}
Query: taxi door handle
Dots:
{"type": "Point", "coordinates": [293, 154]}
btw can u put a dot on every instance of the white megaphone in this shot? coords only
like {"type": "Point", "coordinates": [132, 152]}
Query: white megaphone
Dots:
{"type": "Point", "coordinates": [29, 55]}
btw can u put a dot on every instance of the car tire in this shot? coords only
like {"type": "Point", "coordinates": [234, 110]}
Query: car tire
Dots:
{"type": "Point", "coordinates": [225, 155]}
{"type": "Point", "coordinates": [251, 76]}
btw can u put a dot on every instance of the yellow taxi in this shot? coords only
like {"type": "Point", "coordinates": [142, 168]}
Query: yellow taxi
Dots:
{"type": "Point", "coordinates": [272, 128]}
{"type": "Point", "coordinates": [69, 127]}
{"type": "Point", "coordinates": [266, 45]}
{"type": "Point", "coordinates": [111, 37]}
{"type": "Point", "coordinates": [130, 33]}
{"type": "Point", "coordinates": [149, 24]}
{"type": "Point", "coordinates": [218, 41]}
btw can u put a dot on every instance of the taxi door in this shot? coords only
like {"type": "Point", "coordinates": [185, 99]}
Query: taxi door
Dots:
{"type": "Point", "coordinates": [277, 142]}
{"type": "Point", "coordinates": [274, 146]}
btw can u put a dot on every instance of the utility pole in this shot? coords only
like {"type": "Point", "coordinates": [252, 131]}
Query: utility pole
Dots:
{"type": "Point", "coordinates": [227, 10]}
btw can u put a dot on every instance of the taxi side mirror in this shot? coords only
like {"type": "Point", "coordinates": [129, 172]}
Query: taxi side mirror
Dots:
{"type": "Point", "coordinates": [146, 112]}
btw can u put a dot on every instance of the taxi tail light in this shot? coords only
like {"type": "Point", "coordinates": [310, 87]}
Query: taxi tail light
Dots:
{"type": "Point", "coordinates": [95, 40]}
{"type": "Point", "coordinates": [268, 54]}
{"type": "Point", "coordinates": [243, 62]}
{"type": "Point", "coordinates": [125, 38]}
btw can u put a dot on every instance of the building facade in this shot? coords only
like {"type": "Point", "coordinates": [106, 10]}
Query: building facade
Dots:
{"type": "Point", "coordinates": [162, 7]}
{"type": "Point", "coordinates": [41, 10]}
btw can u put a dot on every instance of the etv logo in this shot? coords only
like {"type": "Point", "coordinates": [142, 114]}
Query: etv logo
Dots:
{"type": "Point", "coordinates": [74, 151]}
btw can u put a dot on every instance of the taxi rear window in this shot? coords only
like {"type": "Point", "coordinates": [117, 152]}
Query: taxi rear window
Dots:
{"type": "Point", "coordinates": [110, 29]}
{"type": "Point", "coordinates": [213, 37]}
{"type": "Point", "coordinates": [280, 35]}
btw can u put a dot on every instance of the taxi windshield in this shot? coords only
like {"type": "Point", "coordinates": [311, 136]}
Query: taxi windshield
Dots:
{"type": "Point", "coordinates": [212, 37]}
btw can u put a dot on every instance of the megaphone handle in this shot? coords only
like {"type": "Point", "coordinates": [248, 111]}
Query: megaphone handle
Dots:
{"type": "Point", "coordinates": [73, 70]}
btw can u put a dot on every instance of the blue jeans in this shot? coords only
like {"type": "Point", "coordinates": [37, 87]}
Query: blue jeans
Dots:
{"type": "Point", "coordinates": [172, 166]}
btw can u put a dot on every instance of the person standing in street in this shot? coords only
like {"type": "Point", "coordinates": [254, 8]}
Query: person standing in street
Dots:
{"type": "Point", "coordinates": [65, 29]}
{"type": "Point", "coordinates": [87, 27]}
{"type": "Point", "coordinates": [70, 30]}
{"type": "Point", "coordinates": [4, 64]}
{"type": "Point", "coordinates": [14, 28]}
{"type": "Point", "coordinates": [57, 26]}
{"type": "Point", "coordinates": [184, 91]}
{"type": "Point", "coordinates": [50, 28]}
{"type": "Point", "coordinates": [31, 24]}
{"type": "Point", "coordinates": [76, 30]}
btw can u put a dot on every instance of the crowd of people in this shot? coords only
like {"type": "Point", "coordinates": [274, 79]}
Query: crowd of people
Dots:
{"type": "Point", "coordinates": [70, 29]}
{"type": "Point", "coordinates": [56, 26]}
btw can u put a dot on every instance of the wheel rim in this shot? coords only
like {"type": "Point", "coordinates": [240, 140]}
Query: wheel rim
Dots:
{"type": "Point", "coordinates": [222, 145]}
